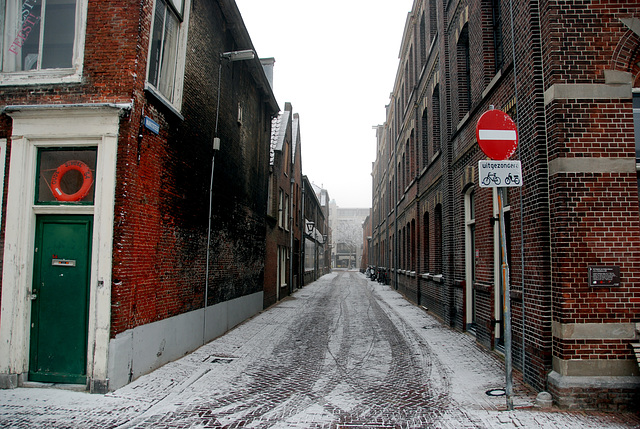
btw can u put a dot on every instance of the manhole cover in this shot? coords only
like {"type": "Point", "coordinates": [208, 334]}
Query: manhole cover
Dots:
{"type": "Point", "coordinates": [496, 392]}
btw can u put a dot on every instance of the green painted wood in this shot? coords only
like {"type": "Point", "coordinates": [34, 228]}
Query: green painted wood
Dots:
{"type": "Point", "coordinates": [59, 312]}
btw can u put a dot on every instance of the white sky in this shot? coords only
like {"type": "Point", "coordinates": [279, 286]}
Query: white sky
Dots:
{"type": "Point", "coordinates": [336, 63]}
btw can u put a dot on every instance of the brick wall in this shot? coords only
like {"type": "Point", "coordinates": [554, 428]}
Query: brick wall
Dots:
{"type": "Point", "coordinates": [162, 190]}
{"type": "Point", "coordinates": [561, 220]}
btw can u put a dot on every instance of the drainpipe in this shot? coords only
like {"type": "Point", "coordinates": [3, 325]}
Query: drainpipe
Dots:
{"type": "Point", "coordinates": [291, 236]}
{"type": "Point", "coordinates": [303, 247]}
{"type": "Point", "coordinates": [395, 222]}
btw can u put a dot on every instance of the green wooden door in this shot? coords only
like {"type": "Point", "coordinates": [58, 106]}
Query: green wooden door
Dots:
{"type": "Point", "coordinates": [59, 311]}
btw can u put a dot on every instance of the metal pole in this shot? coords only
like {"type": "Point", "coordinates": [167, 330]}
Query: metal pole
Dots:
{"type": "Point", "coordinates": [206, 275]}
{"type": "Point", "coordinates": [213, 161]}
{"type": "Point", "coordinates": [507, 304]}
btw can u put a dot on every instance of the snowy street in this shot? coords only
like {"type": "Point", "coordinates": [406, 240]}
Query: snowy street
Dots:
{"type": "Point", "coordinates": [343, 352]}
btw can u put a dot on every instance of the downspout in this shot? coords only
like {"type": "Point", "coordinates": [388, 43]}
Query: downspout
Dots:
{"type": "Point", "coordinates": [395, 222]}
{"type": "Point", "coordinates": [303, 247]}
{"type": "Point", "coordinates": [291, 217]}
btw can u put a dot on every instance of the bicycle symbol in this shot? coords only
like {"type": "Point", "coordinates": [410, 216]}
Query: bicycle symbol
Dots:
{"type": "Point", "coordinates": [515, 179]}
{"type": "Point", "coordinates": [491, 177]}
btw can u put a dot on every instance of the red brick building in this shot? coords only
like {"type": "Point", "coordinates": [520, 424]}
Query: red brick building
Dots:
{"type": "Point", "coordinates": [284, 225]}
{"type": "Point", "coordinates": [568, 74]}
{"type": "Point", "coordinates": [316, 253]}
{"type": "Point", "coordinates": [117, 258]}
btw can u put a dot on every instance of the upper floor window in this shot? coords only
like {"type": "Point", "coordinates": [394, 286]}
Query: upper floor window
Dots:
{"type": "Point", "coordinates": [164, 59]}
{"type": "Point", "coordinates": [636, 122]}
{"type": "Point", "coordinates": [464, 73]}
{"type": "Point", "coordinates": [496, 32]}
{"type": "Point", "coordinates": [281, 208]}
{"type": "Point", "coordinates": [433, 21]}
{"type": "Point", "coordinates": [41, 36]}
{"type": "Point", "coordinates": [435, 126]}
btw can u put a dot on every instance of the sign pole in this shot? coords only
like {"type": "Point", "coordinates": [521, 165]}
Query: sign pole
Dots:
{"type": "Point", "coordinates": [497, 137]}
{"type": "Point", "coordinates": [507, 304]}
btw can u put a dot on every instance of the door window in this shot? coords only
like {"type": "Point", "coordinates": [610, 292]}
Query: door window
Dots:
{"type": "Point", "coordinates": [66, 176]}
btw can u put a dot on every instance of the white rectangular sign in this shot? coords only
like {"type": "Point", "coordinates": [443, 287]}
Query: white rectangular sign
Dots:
{"type": "Point", "coordinates": [499, 174]}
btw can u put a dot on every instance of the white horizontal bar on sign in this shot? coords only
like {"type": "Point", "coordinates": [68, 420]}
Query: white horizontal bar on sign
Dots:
{"type": "Point", "coordinates": [497, 134]}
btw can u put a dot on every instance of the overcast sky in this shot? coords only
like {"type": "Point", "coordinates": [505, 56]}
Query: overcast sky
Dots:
{"type": "Point", "coordinates": [336, 63]}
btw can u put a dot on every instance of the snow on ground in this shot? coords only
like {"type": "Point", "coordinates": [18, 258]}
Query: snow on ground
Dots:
{"type": "Point", "coordinates": [457, 367]}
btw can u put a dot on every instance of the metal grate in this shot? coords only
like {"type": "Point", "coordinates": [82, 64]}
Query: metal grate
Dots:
{"type": "Point", "coordinates": [219, 359]}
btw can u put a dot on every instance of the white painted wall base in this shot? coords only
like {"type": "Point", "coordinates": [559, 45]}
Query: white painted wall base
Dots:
{"type": "Point", "coordinates": [139, 351]}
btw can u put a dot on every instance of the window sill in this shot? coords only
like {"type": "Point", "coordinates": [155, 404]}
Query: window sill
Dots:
{"type": "Point", "coordinates": [40, 77]}
{"type": "Point", "coordinates": [155, 94]}
{"type": "Point", "coordinates": [434, 277]}
{"type": "Point", "coordinates": [483, 287]}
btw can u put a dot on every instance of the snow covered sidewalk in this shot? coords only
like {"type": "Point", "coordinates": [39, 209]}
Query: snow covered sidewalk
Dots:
{"type": "Point", "coordinates": [343, 352]}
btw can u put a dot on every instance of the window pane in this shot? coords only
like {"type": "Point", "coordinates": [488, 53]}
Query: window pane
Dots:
{"type": "Point", "coordinates": [24, 22]}
{"type": "Point", "coordinates": [636, 122]}
{"type": "Point", "coordinates": [59, 34]}
{"type": "Point", "coordinates": [3, 7]}
{"type": "Point", "coordinates": [164, 48]}
{"type": "Point", "coordinates": [169, 56]}
{"type": "Point", "coordinates": [66, 175]}
{"type": "Point", "coordinates": [156, 43]}
{"type": "Point", "coordinates": [22, 25]}
{"type": "Point", "coordinates": [178, 4]}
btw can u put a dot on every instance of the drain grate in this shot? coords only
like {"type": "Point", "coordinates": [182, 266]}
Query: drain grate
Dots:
{"type": "Point", "coordinates": [365, 426]}
{"type": "Point", "coordinates": [218, 359]}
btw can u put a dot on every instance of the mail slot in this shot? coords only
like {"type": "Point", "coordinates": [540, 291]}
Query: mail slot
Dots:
{"type": "Point", "coordinates": [63, 262]}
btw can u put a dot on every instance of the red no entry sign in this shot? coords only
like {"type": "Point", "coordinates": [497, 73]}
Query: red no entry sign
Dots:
{"type": "Point", "coordinates": [497, 135]}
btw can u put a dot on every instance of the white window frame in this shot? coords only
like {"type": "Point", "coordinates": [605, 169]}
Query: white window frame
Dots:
{"type": "Point", "coordinates": [470, 249]}
{"type": "Point", "coordinates": [45, 76]}
{"type": "Point", "coordinates": [283, 257]}
{"type": "Point", "coordinates": [497, 261]}
{"type": "Point", "coordinates": [286, 212]}
{"type": "Point", "coordinates": [175, 102]}
{"type": "Point", "coordinates": [281, 208]}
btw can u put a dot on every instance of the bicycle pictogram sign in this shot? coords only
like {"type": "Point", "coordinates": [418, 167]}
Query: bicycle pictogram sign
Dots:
{"type": "Point", "coordinates": [494, 174]}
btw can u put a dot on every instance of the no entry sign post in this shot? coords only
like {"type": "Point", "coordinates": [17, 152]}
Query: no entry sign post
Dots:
{"type": "Point", "coordinates": [497, 136]}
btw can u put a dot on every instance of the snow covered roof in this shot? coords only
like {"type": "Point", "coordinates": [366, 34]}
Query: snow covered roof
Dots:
{"type": "Point", "coordinates": [278, 133]}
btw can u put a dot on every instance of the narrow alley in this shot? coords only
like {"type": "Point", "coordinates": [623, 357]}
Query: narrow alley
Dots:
{"type": "Point", "coordinates": [343, 352]}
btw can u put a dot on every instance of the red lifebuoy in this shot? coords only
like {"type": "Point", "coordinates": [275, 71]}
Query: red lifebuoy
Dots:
{"type": "Point", "coordinates": [87, 181]}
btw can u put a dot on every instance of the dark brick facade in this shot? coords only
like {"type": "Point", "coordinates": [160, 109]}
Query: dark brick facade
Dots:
{"type": "Point", "coordinates": [161, 203]}
{"type": "Point", "coordinates": [284, 228]}
{"type": "Point", "coordinates": [565, 75]}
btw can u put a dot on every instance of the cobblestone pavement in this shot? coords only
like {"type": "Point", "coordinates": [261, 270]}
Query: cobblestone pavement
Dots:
{"type": "Point", "coordinates": [340, 353]}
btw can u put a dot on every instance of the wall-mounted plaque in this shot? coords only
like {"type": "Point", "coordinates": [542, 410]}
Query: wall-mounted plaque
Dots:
{"type": "Point", "coordinates": [604, 276]}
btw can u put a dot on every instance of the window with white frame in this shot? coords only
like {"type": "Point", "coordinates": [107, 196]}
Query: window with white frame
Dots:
{"type": "Point", "coordinates": [286, 212]}
{"type": "Point", "coordinates": [283, 256]}
{"type": "Point", "coordinates": [470, 256]}
{"type": "Point", "coordinates": [636, 122]}
{"type": "Point", "coordinates": [281, 208]}
{"type": "Point", "coordinates": [167, 39]}
{"type": "Point", "coordinates": [41, 35]}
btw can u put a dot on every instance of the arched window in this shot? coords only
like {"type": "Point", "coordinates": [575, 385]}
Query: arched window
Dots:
{"type": "Point", "coordinates": [464, 73]}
